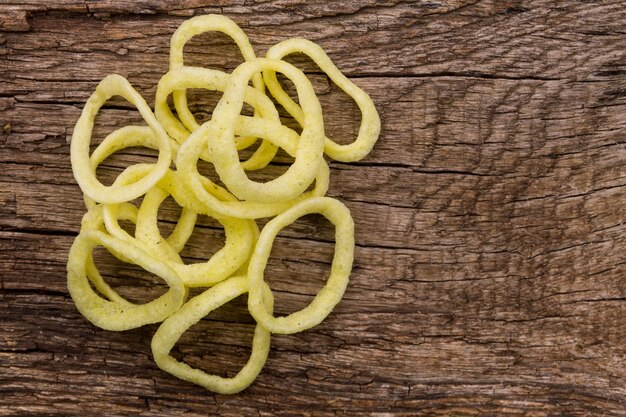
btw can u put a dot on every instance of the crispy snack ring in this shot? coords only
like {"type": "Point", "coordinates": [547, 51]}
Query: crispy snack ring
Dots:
{"type": "Point", "coordinates": [308, 154]}
{"type": "Point", "coordinates": [111, 314]}
{"type": "Point", "coordinates": [125, 137]}
{"type": "Point", "coordinates": [331, 293]}
{"type": "Point", "coordinates": [195, 309]}
{"type": "Point", "coordinates": [84, 173]}
{"type": "Point", "coordinates": [196, 26]}
{"type": "Point", "coordinates": [370, 122]}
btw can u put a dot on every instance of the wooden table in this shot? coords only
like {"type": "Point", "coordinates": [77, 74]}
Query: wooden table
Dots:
{"type": "Point", "coordinates": [490, 273]}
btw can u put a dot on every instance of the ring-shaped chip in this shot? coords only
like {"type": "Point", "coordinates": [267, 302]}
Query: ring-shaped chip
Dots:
{"type": "Point", "coordinates": [106, 217]}
{"type": "Point", "coordinates": [125, 137]}
{"type": "Point", "coordinates": [192, 312]}
{"type": "Point", "coordinates": [370, 121]}
{"type": "Point", "coordinates": [326, 299]}
{"type": "Point", "coordinates": [196, 26]}
{"type": "Point", "coordinates": [113, 315]}
{"type": "Point", "coordinates": [223, 152]}
{"type": "Point", "coordinates": [114, 85]}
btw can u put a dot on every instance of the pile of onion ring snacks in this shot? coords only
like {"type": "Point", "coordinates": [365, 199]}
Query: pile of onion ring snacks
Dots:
{"type": "Point", "coordinates": [238, 268]}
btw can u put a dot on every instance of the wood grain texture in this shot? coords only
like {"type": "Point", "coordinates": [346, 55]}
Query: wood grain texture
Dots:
{"type": "Point", "coordinates": [490, 273]}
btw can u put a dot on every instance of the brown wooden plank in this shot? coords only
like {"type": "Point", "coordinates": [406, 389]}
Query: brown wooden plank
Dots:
{"type": "Point", "coordinates": [513, 39]}
{"type": "Point", "coordinates": [543, 121]}
{"type": "Point", "coordinates": [499, 346]}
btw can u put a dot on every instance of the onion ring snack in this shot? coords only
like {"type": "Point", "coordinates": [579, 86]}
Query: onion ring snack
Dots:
{"type": "Point", "coordinates": [202, 24]}
{"type": "Point", "coordinates": [330, 294]}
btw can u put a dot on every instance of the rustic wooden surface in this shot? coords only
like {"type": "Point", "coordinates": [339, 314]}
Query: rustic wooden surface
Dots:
{"type": "Point", "coordinates": [490, 274]}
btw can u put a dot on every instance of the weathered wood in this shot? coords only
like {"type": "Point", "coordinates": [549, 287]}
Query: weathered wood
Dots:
{"type": "Point", "coordinates": [490, 274]}
{"type": "Point", "coordinates": [512, 39]}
